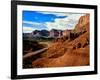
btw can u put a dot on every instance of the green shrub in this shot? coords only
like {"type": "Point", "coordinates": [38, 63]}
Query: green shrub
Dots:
{"type": "Point", "coordinates": [33, 45]}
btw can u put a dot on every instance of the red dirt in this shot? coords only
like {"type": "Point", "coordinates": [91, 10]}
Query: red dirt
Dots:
{"type": "Point", "coordinates": [69, 52]}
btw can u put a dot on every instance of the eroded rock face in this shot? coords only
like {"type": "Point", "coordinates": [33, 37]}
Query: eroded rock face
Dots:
{"type": "Point", "coordinates": [66, 32]}
{"type": "Point", "coordinates": [84, 20]}
{"type": "Point", "coordinates": [68, 52]}
{"type": "Point", "coordinates": [83, 23]}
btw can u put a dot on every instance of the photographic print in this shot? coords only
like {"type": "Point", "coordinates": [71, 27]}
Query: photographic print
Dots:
{"type": "Point", "coordinates": [53, 39]}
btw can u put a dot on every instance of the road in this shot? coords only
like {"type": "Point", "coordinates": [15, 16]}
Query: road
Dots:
{"type": "Point", "coordinates": [34, 53]}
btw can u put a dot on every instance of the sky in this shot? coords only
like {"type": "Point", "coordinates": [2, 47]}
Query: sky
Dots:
{"type": "Point", "coordinates": [37, 20]}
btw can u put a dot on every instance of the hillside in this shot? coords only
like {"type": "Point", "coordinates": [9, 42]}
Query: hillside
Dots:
{"type": "Point", "coordinates": [70, 50]}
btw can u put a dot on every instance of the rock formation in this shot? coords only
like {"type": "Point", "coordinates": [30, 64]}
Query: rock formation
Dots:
{"type": "Point", "coordinates": [70, 52]}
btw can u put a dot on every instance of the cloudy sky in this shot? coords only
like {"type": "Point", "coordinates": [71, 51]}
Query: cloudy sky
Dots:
{"type": "Point", "coordinates": [35, 20]}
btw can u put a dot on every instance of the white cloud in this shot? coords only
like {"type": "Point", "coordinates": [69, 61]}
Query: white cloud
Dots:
{"type": "Point", "coordinates": [30, 22]}
{"type": "Point", "coordinates": [57, 13]}
{"type": "Point", "coordinates": [27, 29]}
{"type": "Point", "coordinates": [35, 25]}
{"type": "Point", "coordinates": [60, 23]}
{"type": "Point", "coordinates": [65, 23]}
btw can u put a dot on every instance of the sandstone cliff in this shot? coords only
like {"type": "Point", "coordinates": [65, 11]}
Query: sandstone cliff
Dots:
{"type": "Point", "coordinates": [72, 51]}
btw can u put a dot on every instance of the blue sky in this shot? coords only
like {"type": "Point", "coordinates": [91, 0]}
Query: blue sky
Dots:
{"type": "Point", "coordinates": [40, 17]}
{"type": "Point", "coordinates": [35, 20]}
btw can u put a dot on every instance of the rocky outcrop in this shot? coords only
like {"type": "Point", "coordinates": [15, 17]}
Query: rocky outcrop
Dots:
{"type": "Point", "coordinates": [83, 23]}
{"type": "Point", "coordinates": [73, 52]}
{"type": "Point", "coordinates": [66, 32]}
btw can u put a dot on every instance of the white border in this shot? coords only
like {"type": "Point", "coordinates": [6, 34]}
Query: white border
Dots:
{"type": "Point", "coordinates": [21, 71]}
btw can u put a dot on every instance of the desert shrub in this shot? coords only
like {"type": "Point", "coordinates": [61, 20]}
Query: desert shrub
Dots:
{"type": "Point", "coordinates": [74, 47]}
{"type": "Point", "coordinates": [79, 45]}
{"type": "Point", "coordinates": [33, 45]}
{"type": "Point", "coordinates": [65, 37]}
{"type": "Point", "coordinates": [72, 35]}
{"type": "Point", "coordinates": [27, 62]}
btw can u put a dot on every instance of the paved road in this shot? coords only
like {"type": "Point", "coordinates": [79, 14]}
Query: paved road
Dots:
{"type": "Point", "coordinates": [34, 53]}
